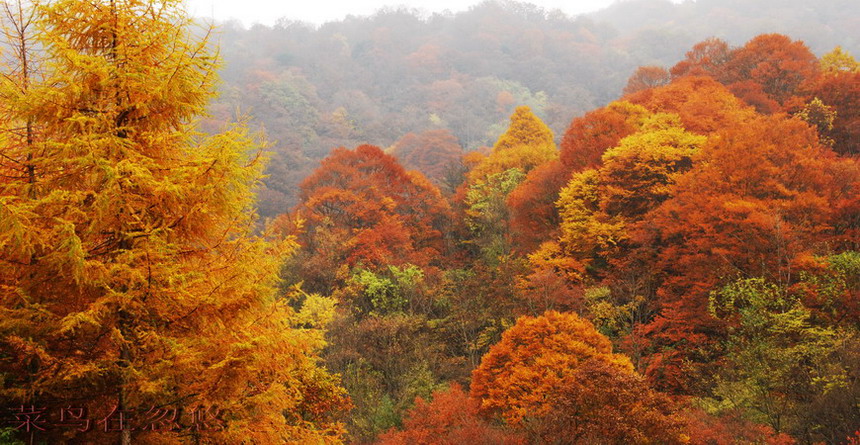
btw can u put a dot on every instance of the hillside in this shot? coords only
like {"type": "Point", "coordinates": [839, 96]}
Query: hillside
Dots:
{"type": "Point", "coordinates": [376, 79]}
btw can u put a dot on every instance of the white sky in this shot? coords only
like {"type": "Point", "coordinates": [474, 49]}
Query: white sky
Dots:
{"type": "Point", "coordinates": [321, 11]}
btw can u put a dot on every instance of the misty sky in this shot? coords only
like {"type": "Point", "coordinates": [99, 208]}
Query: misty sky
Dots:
{"type": "Point", "coordinates": [320, 11]}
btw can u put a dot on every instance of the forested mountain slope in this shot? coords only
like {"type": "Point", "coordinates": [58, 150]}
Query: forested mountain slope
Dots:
{"type": "Point", "coordinates": [376, 79]}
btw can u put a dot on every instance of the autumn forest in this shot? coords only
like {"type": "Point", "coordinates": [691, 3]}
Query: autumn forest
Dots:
{"type": "Point", "coordinates": [500, 226]}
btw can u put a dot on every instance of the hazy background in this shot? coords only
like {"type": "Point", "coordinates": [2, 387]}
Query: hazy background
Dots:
{"type": "Point", "coordinates": [267, 12]}
{"type": "Point", "coordinates": [314, 80]}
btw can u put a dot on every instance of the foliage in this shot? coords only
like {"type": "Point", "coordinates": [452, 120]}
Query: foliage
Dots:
{"type": "Point", "coordinates": [527, 143]}
{"type": "Point", "coordinates": [758, 198]}
{"type": "Point", "coordinates": [373, 212]}
{"type": "Point", "coordinates": [703, 104]}
{"type": "Point", "coordinates": [838, 61]}
{"type": "Point", "coordinates": [839, 92]}
{"type": "Point", "coordinates": [729, 428]}
{"type": "Point", "coordinates": [706, 225]}
{"type": "Point", "coordinates": [394, 290]}
{"type": "Point", "coordinates": [487, 213]}
{"type": "Point", "coordinates": [434, 153]}
{"type": "Point", "coordinates": [639, 172]}
{"type": "Point", "coordinates": [706, 58]}
{"type": "Point", "coordinates": [130, 276]}
{"type": "Point", "coordinates": [533, 214]}
{"type": "Point", "coordinates": [7, 437]}
{"type": "Point", "coordinates": [397, 71]}
{"type": "Point", "coordinates": [769, 72]}
{"type": "Point", "coordinates": [386, 362]}
{"type": "Point", "coordinates": [597, 205]}
{"type": "Point", "coordinates": [820, 116]}
{"type": "Point", "coordinates": [785, 368]}
{"type": "Point", "coordinates": [525, 129]}
{"type": "Point", "coordinates": [533, 359]}
{"type": "Point", "coordinates": [831, 289]}
{"type": "Point", "coordinates": [646, 77]}
{"type": "Point", "coordinates": [609, 317]}
{"type": "Point", "coordinates": [450, 418]}
{"type": "Point", "coordinates": [555, 376]}
{"type": "Point", "coordinates": [552, 281]}
{"type": "Point", "coordinates": [589, 136]}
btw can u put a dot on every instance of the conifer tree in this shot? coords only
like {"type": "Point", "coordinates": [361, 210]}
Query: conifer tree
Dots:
{"type": "Point", "coordinates": [527, 143]}
{"type": "Point", "coordinates": [130, 280]}
{"type": "Point", "coordinates": [525, 129]}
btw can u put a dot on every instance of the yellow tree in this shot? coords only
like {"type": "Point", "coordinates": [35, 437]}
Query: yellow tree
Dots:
{"type": "Point", "coordinates": [598, 205]}
{"type": "Point", "coordinates": [131, 285]}
{"type": "Point", "coordinates": [22, 69]}
{"type": "Point", "coordinates": [525, 129]}
{"type": "Point", "coordinates": [838, 61]}
{"type": "Point", "coordinates": [527, 143]}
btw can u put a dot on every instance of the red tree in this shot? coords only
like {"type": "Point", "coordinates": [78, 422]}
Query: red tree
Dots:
{"type": "Point", "coordinates": [730, 429]}
{"type": "Point", "coordinates": [646, 77]}
{"type": "Point", "coordinates": [703, 104]}
{"type": "Point", "coordinates": [589, 136]}
{"type": "Point", "coordinates": [361, 206]}
{"type": "Point", "coordinates": [534, 216]}
{"type": "Point", "coordinates": [555, 376]}
{"type": "Point", "coordinates": [841, 92]}
{"type": "Point", "coordinates": [707, 58]}
{"type": "Point", "coordinates": [433, 152]}
{"type": "Point", "coordinates": [769, 72]}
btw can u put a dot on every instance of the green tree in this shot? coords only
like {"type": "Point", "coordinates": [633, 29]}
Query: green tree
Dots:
{"type": "Point", "coordinates": [487, 213]}
{"type": "Point", "coordinates": [784, 367]}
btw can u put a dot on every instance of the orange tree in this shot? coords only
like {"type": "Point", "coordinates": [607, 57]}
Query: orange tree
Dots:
{"type": "Point", "coordinates": [759, 198]}
{"type": "Point", "coordinates": [451, 418]}
{"type": "Point", "coordinates": [556, 376]}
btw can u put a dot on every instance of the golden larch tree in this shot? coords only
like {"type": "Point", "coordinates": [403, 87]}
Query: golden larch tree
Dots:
{"type": "Point", "coordinates": [525, 129]}
{"type": "Point", "coordinates": [526, 144]}
{"type": "Point", "coordinates": [130, 282]}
